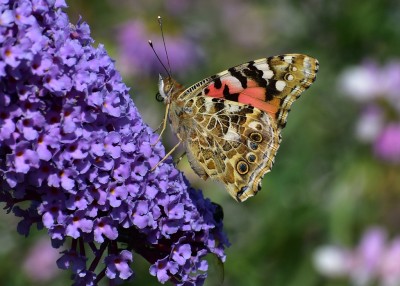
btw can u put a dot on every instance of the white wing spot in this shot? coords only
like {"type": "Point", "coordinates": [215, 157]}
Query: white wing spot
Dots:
{"type": "Point", "coordinates": [255, 125]}
{"type": "Point", "coordinates": [288, 59]}
{"type": "Point", "coordinates": [208, 107]}
{"type": "Point", "coordinates": [231, 108]}
{"type": "Point", "coordinates": [234, 84]}
{"type": "Point", "coordinates": [268, 74]}
{"type": "Point", "coordinates": [264, 67]}
{"type": "Point", "coordinates": [280, 85]}
{"type": "Point", "coordinates": [231, 135]}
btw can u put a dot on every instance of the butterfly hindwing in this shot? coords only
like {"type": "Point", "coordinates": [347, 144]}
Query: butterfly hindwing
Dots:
{"type": "Point", "coordinates": [233, 143]}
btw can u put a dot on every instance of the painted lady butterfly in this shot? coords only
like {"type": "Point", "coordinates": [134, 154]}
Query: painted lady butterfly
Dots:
{"type": "Point", "coordinates": [230, 123]}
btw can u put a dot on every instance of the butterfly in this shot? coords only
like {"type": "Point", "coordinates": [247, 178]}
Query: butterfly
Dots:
{"type": "Point", "coordinates": [230, 123]}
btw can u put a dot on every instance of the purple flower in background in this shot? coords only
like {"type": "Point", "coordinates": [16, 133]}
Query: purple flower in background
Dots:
{"type": "Point", "coordinates": [360, 82]}
{"type": "Point", "coordinates": [139, 59]}
{"type": "Point", "coordinates": [77, 155]}
{"type": "Point", "coordinates": [374, 261]}
{"type": "Point", "coordinates": [391, 83]}
{"type": "Point", "coordinates": [378, 88]}
{"type": "Point", "coordinates": [39, 264]}
{"type": "Point", "coordinates": [368, 255]}
{"type": "Point", "coordinates": [176, 7]}
{"type": "Point", "coordinates": [387, 146]}
{"type": "Point", "coordinates": [370, 123]}
{"type": "Point", "coordinates": [390, 267]}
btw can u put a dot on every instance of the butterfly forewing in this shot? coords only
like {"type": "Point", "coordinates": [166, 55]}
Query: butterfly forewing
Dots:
{"type": "Point", "coordinates": [230, 123]}
{"type": "Point", "coordinates": [270, 84]}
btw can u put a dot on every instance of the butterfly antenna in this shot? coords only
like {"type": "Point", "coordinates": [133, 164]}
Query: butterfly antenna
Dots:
{"type": "Point", "coordinates": [165, 47]}
{"type": "Point", "coordinates": [154, 51]}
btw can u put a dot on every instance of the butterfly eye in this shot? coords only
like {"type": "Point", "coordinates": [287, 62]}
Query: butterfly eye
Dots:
{"type": "Point", "coordinates": [159, 97]}
{"type": "Point", "coordinates": [242, 167]}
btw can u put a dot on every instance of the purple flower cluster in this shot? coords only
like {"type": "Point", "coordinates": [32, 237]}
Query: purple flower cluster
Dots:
{"type": "Point", "coordinates": [75, 150]}
{"type": "Point", "coordinates": [373, 262]}
{"type": "Point", "coordinates": [378, 89]}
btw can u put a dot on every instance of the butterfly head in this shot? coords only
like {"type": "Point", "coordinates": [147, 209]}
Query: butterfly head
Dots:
{"type": "Point", "coordinates": [164, 89]}
{"type": "Point", "coordinates": [167, 87]}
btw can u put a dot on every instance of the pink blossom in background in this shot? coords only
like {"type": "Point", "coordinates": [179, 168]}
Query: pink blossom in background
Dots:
{"type": "Point", "coordinates": [370, 80]}
{"type": "Point", "coordinates": [39, 264]}
{"type": "Point", "coordinates": [391, 74]}
{"type": "Point", "coordinates": [377, 88]}
{"type": "Point", "coordinates": [387, 145]}
{"type": "Point", "coordinates": [390, 267]}
{"type": "Point", "coordinates": [375, 261]}
{"type": "Point", "coordinates": [361, 82]}
{"type": "Point", "coordinates": [370, 123]}
{"type": "Point", "coordinates": [367, 257]}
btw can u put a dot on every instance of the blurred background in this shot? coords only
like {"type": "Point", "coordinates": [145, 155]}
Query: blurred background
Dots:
{"type": "Point", "coordinates": [329, 212]}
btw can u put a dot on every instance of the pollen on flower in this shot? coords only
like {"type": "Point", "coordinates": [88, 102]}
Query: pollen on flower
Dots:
{"type": "Point", "coordinates": [8, 52]}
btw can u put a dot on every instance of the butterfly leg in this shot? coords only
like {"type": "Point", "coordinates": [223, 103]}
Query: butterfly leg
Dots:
{"type": "Point", "coordinates": [163, 124]}
{"type": "Point", "coordinates": [167, 155]}
{"type": "Point", "coordinates": [159, 126]}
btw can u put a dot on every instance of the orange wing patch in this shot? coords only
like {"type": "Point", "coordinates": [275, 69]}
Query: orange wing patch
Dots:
{"type": "Point", "coordinates": [253, 94]}
{"type": "Point", "coordinates": [255, 97]}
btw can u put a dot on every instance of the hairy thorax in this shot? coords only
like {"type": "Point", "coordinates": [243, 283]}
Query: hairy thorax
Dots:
{"type": "Point", "coordinates": [181, 119]}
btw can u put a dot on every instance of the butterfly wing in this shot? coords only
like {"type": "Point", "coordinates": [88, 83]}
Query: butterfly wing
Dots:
{"type": "Point", "coordinates": [237, 116]}
{"type": "Point", "coordinates": [269, 84]}
{"type": "Point", "coordinates": [232, 143]}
